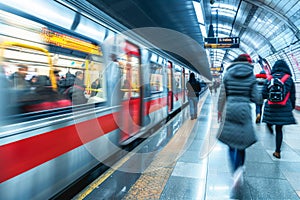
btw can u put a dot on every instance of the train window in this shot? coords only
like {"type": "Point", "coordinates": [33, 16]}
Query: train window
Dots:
{"type": "Point", "coordinates": [156, 78]}
{"type": "Point", "coordinates": [91, 29]}
{"type": "Point", "coordinates": [47, 69]}
{"type": "Point", "coordinates": [130, 76]}
{"type": "Point", "coordinates": [178, 79]}
{"type": "Point", "coordinates": [19, 29]}
{"type": "Point", "coordinates": [46, 10]}
{"type": "Point", "coordinates": [95, 82]}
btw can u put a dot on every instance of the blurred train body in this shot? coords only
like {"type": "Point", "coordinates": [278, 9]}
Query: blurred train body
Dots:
{"type": "Point", "coordinates": [44, 150]}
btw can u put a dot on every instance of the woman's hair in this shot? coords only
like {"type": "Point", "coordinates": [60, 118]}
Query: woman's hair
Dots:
{"type": "Point", "coordinates": [281, 66]}
{"type": "Point", "coordinates": [192, 76]}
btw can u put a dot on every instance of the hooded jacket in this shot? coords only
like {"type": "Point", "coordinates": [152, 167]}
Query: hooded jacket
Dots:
{"type": "Point", "coordinates": [237, 92]}
{"type": "Point", "coordinates": [277, 114]}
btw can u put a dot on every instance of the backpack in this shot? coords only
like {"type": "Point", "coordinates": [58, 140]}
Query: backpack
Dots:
{"type": "Point", "coordinates": [66, 83]}
{"type": "Point", "coordinates": [277, 93]}
{"type": "Point", "coordinates": [196, 87]}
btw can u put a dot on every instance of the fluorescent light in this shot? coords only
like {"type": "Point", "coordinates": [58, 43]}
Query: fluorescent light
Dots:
{"type": "Point", "coordinates": [198, 10]}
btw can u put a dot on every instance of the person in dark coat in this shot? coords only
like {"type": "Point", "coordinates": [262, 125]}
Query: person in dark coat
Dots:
{"type": "Point", "coordinates": [78, 89]}
{"type": "Point", "coordinates": [261, 78]}
{"type": "Point", "coordinates": [193, 86]}
{"type": "Point", "coordinates": [43, 97]}
{"type": "Point", "coordinates": [238, 90]}
{"type": "Point", "coordinates": [280, 115]}
{"type": "Point", "coordinates": [18, 80]}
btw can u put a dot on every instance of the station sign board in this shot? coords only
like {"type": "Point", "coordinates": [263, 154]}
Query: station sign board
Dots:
{"type": "Point", "coordinates": [215, 68]}
{"type": "Point", "coordinates": [221, 43]}
{"type": "Point", "coordinates": [221, 46]}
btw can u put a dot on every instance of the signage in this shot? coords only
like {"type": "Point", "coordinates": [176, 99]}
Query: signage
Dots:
{"type": "Point", "coordinates": [215, 68]}
{"type": "Point", "coordinates": [221, 46]}
{"type": "Point", "coordinates": [224, 42]}
{"type": "Point", "coordinates": [66, 41]}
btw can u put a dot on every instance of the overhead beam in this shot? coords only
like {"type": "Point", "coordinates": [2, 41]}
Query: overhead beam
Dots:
{"type": "Point", "coordinates": [283, 18]}
{"type": "Point", "coordinates": [254, 32]}
{"type": "Point", "coordinates": [262, 36]}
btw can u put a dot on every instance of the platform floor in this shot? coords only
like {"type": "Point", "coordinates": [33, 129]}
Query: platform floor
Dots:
{"type": "Point", "coordinates": [192, 165]}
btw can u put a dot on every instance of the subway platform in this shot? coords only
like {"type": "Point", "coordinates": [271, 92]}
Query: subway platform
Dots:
{"type": "Point", "coordinates": [189, 163]}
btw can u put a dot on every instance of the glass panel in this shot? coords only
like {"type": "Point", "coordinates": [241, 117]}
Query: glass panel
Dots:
{"type": "Point", "coordinates": [91, 29]}
{"type": "Point", "coordinates": [156, 78]}
{"type": "Point", "coordinates": [18, 29]}
{"type": "Point", "coordinates": [45, 9]}
{"type": "Point", "coordinates": [186, 74]}
{"type": "Point", "coordinates": [95, 82]}
{"type": "Point", "coordinates": [177, 76]}
{"type": "Point", "coordinates": [27, 68]}
{"type": "Point", "coordinates": [130, 76]}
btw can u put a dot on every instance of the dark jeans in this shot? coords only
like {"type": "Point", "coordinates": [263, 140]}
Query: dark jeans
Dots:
{"type": "Point", "coordinates": [258, 109]}
{"type": "Point", "coordinates": [278, 138]}
{"type": "Point", "coordinates": [278, 129]}
{"type": "Point", "coordinates": [237, 157]}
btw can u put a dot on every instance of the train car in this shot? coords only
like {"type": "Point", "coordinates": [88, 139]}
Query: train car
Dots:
{"type": "Point", "coordinates": [74, 91]}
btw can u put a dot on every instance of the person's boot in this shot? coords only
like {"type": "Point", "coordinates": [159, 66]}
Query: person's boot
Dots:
{"type": "Point", "coordinates": [277, 155]}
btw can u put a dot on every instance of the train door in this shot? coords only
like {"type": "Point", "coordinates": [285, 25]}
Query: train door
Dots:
{"type": "Point", "coordinates": [130, 89]}
{"type": "Point", "coordinates": [177, 87]}
{"type": "Point", "coordinates": [170, 83]}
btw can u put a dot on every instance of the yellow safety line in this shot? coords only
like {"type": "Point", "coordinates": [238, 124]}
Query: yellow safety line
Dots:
{"type": "Point", "coordinates": [104, 176]}
{"type": "Point", "coordinates": [175, 146]}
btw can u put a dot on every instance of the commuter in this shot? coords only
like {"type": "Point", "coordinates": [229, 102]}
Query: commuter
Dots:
{"type": "Point", "coordinates": [215, 86]}
{"type": "Point", "coordinates": [57, 77]}
{"type": "Point", "coordinates": [77, 92]}
{"type": "Point", "coordinates": [113, 75]}
{"type": "Point", "coordinates": [280, 113]}
{"type": "Point", "coordinates": [261, 79]}
{"type": "Point", "coordinates": [95, 85]}
{"type": "Point", "coordinates": [65, 83]}
{"type": "Point", "coordinates": [20, 87]}
{"type": "Point", "coordinates": [43, 97]}
{"type": "Point", "coordinates": [193, 86]}
{"type": "Point", "coordinates": [7, 106]}
{"type": "Point", "coordinates": [18, 78]}
{"type": "Point", "coordinates": [33, 82]}
{"type": "Point", "coordinates": [237, 131]}
{"type": "Point", "coordinates": [210, 87]}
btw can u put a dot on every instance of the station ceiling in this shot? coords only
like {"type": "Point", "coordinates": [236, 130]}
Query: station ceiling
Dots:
{"type": "Point", "coordinates": [264, 26]}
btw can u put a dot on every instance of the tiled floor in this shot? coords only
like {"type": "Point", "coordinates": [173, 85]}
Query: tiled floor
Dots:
{"type": "Point", "coordinates": [202, 172]}
{"type": "Point", "coordinates": [193, 165]}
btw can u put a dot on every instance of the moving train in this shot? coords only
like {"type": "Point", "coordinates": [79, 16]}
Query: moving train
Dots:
{"type": "Point", "coordinates": [47, 141]}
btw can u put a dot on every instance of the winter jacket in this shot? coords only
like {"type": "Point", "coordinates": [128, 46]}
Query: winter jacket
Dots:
{"type": "Point", "coordinates": [77, 92]}
{"type": "Point", "coordinates": [277, 114]}
{"type": "Point", "coordinates": [237, 92]}
{"type": "Point", "coordinates": [260, 87]}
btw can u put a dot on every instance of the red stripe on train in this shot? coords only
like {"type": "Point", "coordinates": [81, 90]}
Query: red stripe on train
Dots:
{"type": "Point", "coordinates": [20, 156]}
{"type": "Point", "coordinates": [156, 104]}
